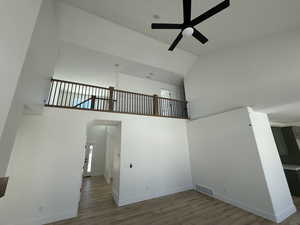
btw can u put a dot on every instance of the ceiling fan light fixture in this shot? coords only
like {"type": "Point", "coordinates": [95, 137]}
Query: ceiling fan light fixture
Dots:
{"type": "Point", "coordinates": [188, 32]}
{"type": "Point", "coordinates": [187, 27]}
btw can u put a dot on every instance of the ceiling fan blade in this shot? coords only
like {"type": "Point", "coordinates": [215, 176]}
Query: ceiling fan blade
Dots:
{"type": "Point", "coordinates": [218, 8]}
{"type": "Point", "coordinates": [166, 26]}
{"type": "Point", "coordinates": [187, 7]}
{"type": "Point", "coordinates": [176, 41]}
{"type": "Point", "coordinates": [200, 36]}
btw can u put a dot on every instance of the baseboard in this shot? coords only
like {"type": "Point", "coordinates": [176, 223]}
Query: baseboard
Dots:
{"type": "Point", "coordinates": [144, 197]}
{"type": "Point", "coordinates": [269, 216]}
{"type": "Point", "coordinates": [280, 217]}
{"type": "Point", "coordinates": [116, 197]}
{"type": "Point", "coordinates": [49, 219]}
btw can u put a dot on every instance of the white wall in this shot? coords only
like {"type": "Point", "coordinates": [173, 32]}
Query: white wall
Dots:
{"type": "Point", "coordinates": [82, 65]}
{"type": "Point", "coordinates": [98, 164]}
{"type": "Point", "coordinates": [85, 66]}
{"type": "Point", "coordinates": [17, 20]}
{"type": "Point", "coordinates": [240, 163]}
{"type": "Point", "coordinates": [128, 83]}
{"type": "Point", "coordinates": [41, 58]}
{"type": "Point", "coordinates": [111, 144]}
{"type": "Point", "coordinates": [96, 135]}
{"type": "Point", "coordinates": [90, 31]}
{"type": "Point", "coordinates": [113, 162]}
{"type": "Point", "coordinates": [33, 82]}
{"type": "Point", "coordinates": [48, 157]}
{"type": "Point", "coordinates": [146, 86]}
{"type": "Point", "coordinates": [272, 166]}
{"type": "Point", "coordinates": [260, 74]}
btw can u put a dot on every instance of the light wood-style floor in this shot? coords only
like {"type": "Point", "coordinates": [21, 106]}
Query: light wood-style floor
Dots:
{"type": "Point", "coordinates": [186, 208]}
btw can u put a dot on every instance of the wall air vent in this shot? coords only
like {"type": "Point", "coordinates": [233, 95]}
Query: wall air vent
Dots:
{"type": "Point", "coordinates": [204, 190]}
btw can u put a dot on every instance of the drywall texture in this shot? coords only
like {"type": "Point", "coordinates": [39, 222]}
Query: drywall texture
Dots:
{"type": "Point", "coordinates": [17, 20]}
{"type": "Point", "coordinates": [236, 157]}
{"type": "Point", "coordinates": [260, 74]}
{"type": "Point", "coordinates": [48, 156]}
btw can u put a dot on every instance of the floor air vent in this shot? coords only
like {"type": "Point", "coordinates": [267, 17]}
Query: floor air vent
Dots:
{"type": "Point", "coordinates": [204, 190]}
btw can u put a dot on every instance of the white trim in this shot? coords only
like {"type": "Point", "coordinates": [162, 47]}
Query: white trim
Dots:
{"type": "Point", "coordinates": [267, 215]}
{"type": "Point", "coordinates": [280, 217]}
{"type": "Point", "coordinates": [139, 198]}
{"type": "Point", "coordinates": [116, 197]}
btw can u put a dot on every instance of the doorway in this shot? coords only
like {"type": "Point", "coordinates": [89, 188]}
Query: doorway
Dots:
{"type": "Point", "coordinates": [101, 166]}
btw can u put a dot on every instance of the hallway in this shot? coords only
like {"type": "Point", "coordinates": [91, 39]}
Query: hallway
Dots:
{"type": "Point", "coordinates": [186, 208]}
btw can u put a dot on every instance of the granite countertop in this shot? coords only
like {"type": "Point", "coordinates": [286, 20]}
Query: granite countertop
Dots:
{"type": "Point", "coordinates": [291, 167]}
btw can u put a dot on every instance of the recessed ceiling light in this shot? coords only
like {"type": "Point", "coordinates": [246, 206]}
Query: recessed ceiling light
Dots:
{"type": "Point", "coordinates": [156, 16]}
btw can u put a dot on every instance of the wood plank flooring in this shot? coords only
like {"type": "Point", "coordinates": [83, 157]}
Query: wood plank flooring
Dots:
{"type": "Point", "coordinates": [186, 208]}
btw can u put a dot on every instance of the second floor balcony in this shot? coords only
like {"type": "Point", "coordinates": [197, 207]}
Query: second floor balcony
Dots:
{"type": "Point", "coordinates": [72, 95]}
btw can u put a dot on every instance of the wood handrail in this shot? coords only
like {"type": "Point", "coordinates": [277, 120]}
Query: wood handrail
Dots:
{"type": "Point", "coordinates": [83, 102]}
{"type": "Point", "coordinates": [66, 94]}
{"type": "Point", "coordinates": [134, 93]}
{"type": "Point", "coordinates": [105, 99]}
{"type": "Point", "coordinates": [71, 82]}
{"type": "Point", "coordinates": [172, 99]}
{"type": "Point", "coordinates": [93, 99]}
{"type": "Point", "coordinates": [129, 92]}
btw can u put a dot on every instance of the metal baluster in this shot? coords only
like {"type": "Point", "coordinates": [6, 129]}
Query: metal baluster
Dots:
{"type": "Point", "coordinates": [101, 100]}
{"type": "Point", "coordinates": [59, 91]}
{"type": "Point", "coordinates": [61, 101]}
{"type": "Point", "coordinates": [53, 99]}
{"type": "Point", "coordinates": [97, 97]}
{"type": "Point", "coordinates": [75, 98]}
{"type": "Point", "coordinates": [124, 103]}
{"type": "Point", "coordinates": [50, 92]}
{"type": "Point", "coordinates": [66, 90]}
{"type": "Point", "coordinates": [86, 97]}
{"type": "Point", "coordinates": [71, 95]}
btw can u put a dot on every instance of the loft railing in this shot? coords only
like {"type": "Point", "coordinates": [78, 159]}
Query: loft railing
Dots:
{"type": "Point", "coordinates": [66, 94]}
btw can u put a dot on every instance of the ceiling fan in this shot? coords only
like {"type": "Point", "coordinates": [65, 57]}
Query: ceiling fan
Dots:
{"type": "Point", "coordinates": [188, 26]}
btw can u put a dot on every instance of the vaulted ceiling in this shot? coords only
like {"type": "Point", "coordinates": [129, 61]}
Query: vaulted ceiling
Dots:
{"type": "Point", "coordinates": [243, 21]}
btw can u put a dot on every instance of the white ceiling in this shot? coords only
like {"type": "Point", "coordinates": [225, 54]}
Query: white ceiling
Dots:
{"type": "Point", "coordinates": [263, 74]}
{"type": "Point", "coordinates": [287, 113]}
{"type": "Point", "coordinates": [84, 65]}
{"type": "Point", "coordinates": [243, 21]}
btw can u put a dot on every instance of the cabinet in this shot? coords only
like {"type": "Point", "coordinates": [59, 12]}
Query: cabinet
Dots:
{"type": "Point", "coordinates": [292, 174]}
